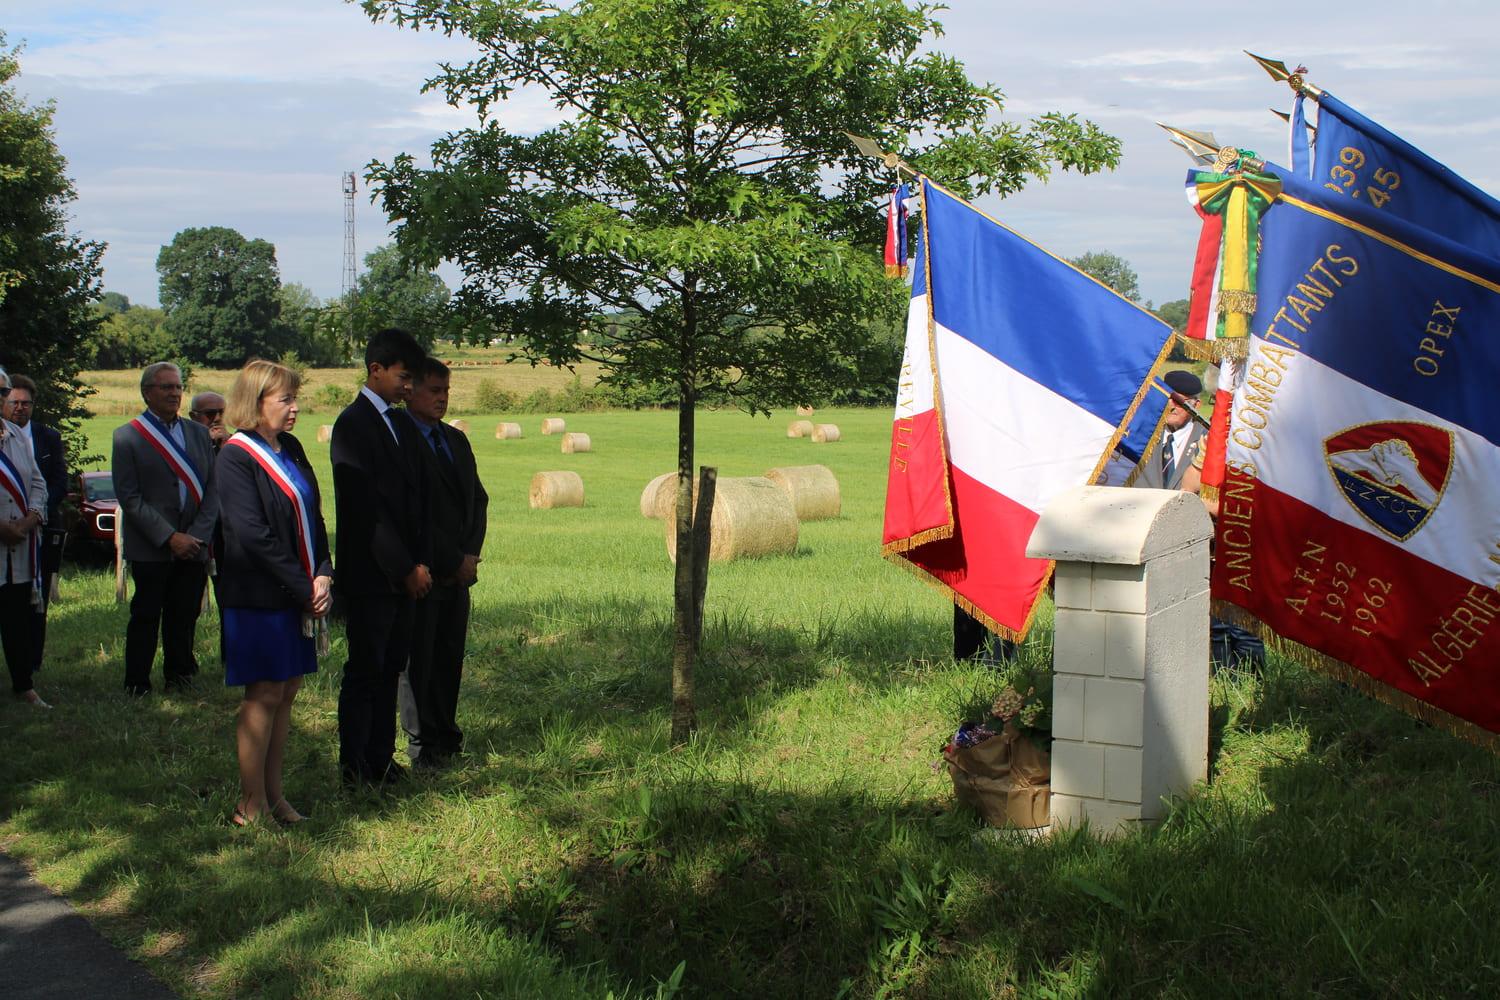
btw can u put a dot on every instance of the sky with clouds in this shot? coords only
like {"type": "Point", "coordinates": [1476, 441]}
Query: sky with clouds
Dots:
{"type": "Point", "coordinates": [179, 114]}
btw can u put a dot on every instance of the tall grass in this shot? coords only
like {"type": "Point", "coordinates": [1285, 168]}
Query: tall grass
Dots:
{"type": "Point", "coordinates": [800, 845]}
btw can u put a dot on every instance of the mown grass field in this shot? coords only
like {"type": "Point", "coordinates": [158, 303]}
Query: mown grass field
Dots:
{"type": "Point", "coordinates": [800, 846]}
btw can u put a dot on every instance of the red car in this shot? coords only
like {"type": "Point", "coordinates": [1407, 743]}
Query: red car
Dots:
{"type": "Point", "coordinates": [91, 508]}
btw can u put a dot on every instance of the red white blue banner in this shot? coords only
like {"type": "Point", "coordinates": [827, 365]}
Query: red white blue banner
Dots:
{"type": "Point", "coordinates": [271, 466]}
{"type": "Point", "coordinates": [176, 457]}
{"type": "Point", "coordinates": [1019, 375]}
{"type": "Point", "coordinates": [1358, 516]}
{"type": "Point", "coordinates": [895, 233]}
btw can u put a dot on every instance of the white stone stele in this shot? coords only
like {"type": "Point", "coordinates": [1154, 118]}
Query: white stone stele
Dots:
{"type": "Point", "coordinates": [1130, 652]}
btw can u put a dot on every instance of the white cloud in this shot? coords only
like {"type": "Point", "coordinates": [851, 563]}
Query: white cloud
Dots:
{"type": "Point", "coordinates": [1145, 58]}
{"type": "Point", "coordinates": [250, 42]}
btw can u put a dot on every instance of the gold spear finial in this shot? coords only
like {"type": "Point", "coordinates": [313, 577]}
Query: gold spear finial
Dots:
{"type": "Point", "coordinates": [1201, 147]}
{"type": "Point", "coordinates": [869, 148]}
{"type": "Point", "coordinates": [1286, 116]}
{"type": "Point", "coordinates": [1278, 71]}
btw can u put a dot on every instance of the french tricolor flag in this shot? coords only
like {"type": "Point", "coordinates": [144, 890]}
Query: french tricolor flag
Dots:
{"type": "Point", "coordinates": [1019, 373]}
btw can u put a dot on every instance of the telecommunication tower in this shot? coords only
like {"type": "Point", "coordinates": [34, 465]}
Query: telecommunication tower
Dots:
{"type": "Point", "coordinates": [349, 258]}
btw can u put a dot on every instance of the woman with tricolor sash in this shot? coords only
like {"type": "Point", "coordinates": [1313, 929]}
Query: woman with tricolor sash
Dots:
{"type": "Point", "coordinates": [275, 577]}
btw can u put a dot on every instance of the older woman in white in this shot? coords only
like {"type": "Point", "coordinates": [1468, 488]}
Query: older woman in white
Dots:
{"type": "Point", "coordinates": [23, 509]}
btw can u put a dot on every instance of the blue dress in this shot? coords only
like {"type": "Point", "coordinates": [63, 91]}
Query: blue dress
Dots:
{"type": "Point", "coordinates": [267, 644]}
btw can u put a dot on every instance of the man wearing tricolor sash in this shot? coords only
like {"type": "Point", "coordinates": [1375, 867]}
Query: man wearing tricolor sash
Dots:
{"type": "Point", "coordinates": [163, 473]}
{"type": "Point", "coordinates": [23, 507]}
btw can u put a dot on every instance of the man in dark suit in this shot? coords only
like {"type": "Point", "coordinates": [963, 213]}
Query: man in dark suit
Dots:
{"type": "Point", "coordinates": [163, 472]}
{"type": "Point", "coordinates": [456, 524]}
{"type": "Point", "coordinates": [381, 566]}
{"type": "Point", "coordinates": [1173, 455]}
{"type": "Point", "coordinates": [47, 449]}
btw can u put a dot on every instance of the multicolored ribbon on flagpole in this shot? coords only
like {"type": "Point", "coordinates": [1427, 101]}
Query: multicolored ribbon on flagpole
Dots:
{"type": "Point", "coordinates": [1231, 201]}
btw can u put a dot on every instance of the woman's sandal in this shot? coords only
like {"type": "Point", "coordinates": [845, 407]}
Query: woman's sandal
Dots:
{"type": "Point", "coordinates": [286, 820]}
{"type": "Point", "coordinates": [239, 819]}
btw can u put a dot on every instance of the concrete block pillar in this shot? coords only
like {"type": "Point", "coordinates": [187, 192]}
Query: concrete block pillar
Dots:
{"type": "Point", "coordinates": [1130, 652]}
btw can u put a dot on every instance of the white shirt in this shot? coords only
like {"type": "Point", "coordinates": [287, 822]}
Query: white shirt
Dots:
{"type": "Point", "coordinates": [26, 433]}
{"type": "Point", "coordinates": [381, 406]}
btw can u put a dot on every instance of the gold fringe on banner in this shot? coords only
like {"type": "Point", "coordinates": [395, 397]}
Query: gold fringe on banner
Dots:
{"type": "Point", "coordinates": [1003, 631]}
{"type": "Point", "coordinates": [1233, 300]}
{"type": "Point", "coordinates": [941, 533]}
{"type": "Point", "coordinates": [1358, 679]}
{"type": "Point", "coordinates": [1214, 351]}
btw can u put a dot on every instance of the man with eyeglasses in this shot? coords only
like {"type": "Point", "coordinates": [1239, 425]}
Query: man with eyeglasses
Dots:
{"type": "Point", "coordinates": [208, 409]}
{"type": "Point", "coordinates": [23, 506]}
{"type": "Point", "coordinates": [47, 448]}
{"type": "Point", "coordinates": [163, 473]}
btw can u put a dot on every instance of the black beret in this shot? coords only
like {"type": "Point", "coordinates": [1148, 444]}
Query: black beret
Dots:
{"type": "Point", "coordinates": [1184, 382]}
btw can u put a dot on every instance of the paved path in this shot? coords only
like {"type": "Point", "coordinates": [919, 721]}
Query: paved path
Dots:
{"type": "Point", "coordinates": [48, 951]}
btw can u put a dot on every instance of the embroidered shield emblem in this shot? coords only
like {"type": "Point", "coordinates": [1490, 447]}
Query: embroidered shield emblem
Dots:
{"type": "Point", "coordinates": [1392, 471]}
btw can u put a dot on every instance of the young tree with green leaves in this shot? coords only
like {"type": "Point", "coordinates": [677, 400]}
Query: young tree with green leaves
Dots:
{"type": "Point", "coordinates": [697, 180]}
{"type": "Point", "coordinates": [49, 279]}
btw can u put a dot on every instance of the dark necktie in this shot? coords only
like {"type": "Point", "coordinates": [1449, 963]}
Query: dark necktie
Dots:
{"type": "Point", "coordinates": [439, 445]}
{"type": "Point", "coordinates": [1168, 460]}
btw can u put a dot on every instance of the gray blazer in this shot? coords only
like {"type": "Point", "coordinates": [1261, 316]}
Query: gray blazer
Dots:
{"type": "Point", "coordinates": [147, 490]}
{"type": "Point", "coordinates": [15, 560]}
{"type": "Point", "coordinates": [1150, 476]}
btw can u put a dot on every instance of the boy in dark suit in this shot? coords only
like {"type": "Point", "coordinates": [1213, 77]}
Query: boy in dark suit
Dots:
{"type": "Point", "coordinates": [163, 472]}
{"type": "Point", "coordinates": [456, 522]}
{"type": "Point", "coordinates": [47, 449]}
{"type": "Point", "coordinates": [381, 562]}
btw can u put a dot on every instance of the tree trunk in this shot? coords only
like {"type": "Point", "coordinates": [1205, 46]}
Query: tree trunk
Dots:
{"type": "Point", "coordinates": [703, 533]}
{"type": "Point", "coordinates": [684, 586]}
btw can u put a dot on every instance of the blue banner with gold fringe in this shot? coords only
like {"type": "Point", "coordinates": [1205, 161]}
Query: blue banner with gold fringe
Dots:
{"type": "Point", "coordinates": [1361, 162]}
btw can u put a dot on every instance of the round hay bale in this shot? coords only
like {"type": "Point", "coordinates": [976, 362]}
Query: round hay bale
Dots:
{"type": "Point", "coordinates": [574, 443]}
{"type": "Point", "coordinates": [804, 411]}
{"type": "Point", "coordinates": [799, 429]}
{"type": "Point", "coordinates": [554, 425]}
{"type": "Point", "coordinates": [325, 433]}
{"type": "Point", "coordinates": [825, 433]}
{"type": "Point", "coordinates": [812, 489]}
{"type": "Point", "coordinates": [556, 489]}
{"type": "Point", "coordinates": [751, 517]}
{"type": "Point", "coordinates": [462, 426]}
{"type": "Point", "coordinates": [507, 431]}
{"type": "Point", "coordinates": [659, 495]}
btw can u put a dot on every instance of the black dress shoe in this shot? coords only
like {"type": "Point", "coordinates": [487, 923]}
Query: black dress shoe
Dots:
{"type": "Point", "coordinates": [393, 774]}
{"type": "Point", "coordinates": [137, 690]}
{"type": "Point", "coordinates": [431, 760]}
